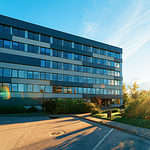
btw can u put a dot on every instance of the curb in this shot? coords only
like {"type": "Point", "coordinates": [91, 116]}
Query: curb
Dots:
{"type": "Point", "coordinates": [115, 127]}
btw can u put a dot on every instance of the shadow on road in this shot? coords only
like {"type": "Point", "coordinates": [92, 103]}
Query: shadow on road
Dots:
{"type": "Point", "coordinates": [14, 120]}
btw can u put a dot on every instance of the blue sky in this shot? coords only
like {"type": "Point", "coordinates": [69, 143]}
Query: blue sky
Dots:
{"type": "Point", "coordinates": [123, 23]}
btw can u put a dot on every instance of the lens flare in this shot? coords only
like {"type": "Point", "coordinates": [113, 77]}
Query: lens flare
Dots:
{"type": "Point", "coordinates": [5, 92]}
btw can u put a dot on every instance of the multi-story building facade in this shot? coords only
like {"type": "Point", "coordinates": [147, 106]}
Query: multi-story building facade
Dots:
{"type": "Point", "coordinates": [37, 62]}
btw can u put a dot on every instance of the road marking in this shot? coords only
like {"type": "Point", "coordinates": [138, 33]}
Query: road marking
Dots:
{"type": "Point", "coordinates": [101, 141]}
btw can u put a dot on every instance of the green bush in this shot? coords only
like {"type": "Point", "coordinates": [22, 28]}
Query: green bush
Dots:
{"type": "Point", "coordinates": [69, 106]}
{"type": "Point", "coordinates": [12, 109]}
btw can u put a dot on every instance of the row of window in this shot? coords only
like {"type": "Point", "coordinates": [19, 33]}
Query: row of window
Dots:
{"type": "Point", "coordinates": [60, 89]}
{"type": "Point", "coordinates": [77, 68]}
{"type": "Point", "coordinates": [72, 56]}
{"type": "Point", "coordinates": [57, 53]}
{"type": "Point", "coordinates": [5, 72]}
{"type": "Point", "coordinates": [56, 41]}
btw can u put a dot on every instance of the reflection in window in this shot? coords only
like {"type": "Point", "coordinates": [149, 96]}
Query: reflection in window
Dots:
{"type": "Point", "coordinates": [14, 87]}
{"type": "Point", "coordinates": [44, 38]}
{"type": "Point", "coordinates": [36, 75]}
{"type": "Point", "coordinates": [36, 88]}
{"type": "Point", "coordinates": [22, 74]}
{"type": "Point", "coordinates": [18, 46]}
{"type": "Point", "coordinates": [21, 87]}
{"type": "Point", "coordinates": [33, 48]}
{"type": "Point", "coordinates": [33, 36]}
{"type": "Point", "coordinates": [18, 32]}
{"type": "Point", "coordinates": [48, 89]}
{"type": "Point", "coordinates": [7, 44]}
{"type": "Point", "coordinates": [30, 75]}
{"type": "Point", "coordinates": [4, 29]}
{"type": "Point", "coordinates": [7, 72]}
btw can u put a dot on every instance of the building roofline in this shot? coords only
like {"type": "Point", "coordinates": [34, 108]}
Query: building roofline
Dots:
{"type": "Point", "coordinates": [55, 33]}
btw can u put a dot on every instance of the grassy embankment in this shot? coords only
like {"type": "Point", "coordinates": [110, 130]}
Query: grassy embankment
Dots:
{"type": "Point", "coordinates": [116, 116]}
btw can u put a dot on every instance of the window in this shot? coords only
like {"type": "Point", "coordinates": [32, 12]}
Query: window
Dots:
{"type": "Point", "coordinates": [7, 72]}
{"type": "Point", "coordinates": [54, 65]}
{"type": "Point", "coordinates": [36, 88]}
{"type": "Point", "coordinates": [33, 36]}
{"type": "Point", "coordinates": [78, 57]}
{"type": "Point", "coordinates": [14, 87]}
{"type": "Point", "coordinates": [42, 88]}
{"type": "Point", "coordinates": [42, 63]}
{"type": "Point", "coordinates": [48, 89]}
{"type": "Point", "coordinates": [54, 53]}
{"type": "Point", "coordinates": [67, 66]}
{"type": "Point", "coordinates": [59, 65]}
{"type": "Point", "coordinates": [60, 77]}
{"type": "Point", "coordinates": [22, 74]}
{"type": "Point", "coordinates": [30, 75]}
{"type": "Point", "coordinates": [89, 59]}
{"type": "Point", "coordinates": [42, 76]}
{"type": "Point", "coordinates": [29, 87]}
{"type": "Point", "coordinates": [45, 51]}
{"type": "Point", "coordinates": [96, 50]}
{"type": "Point", "coordinates": [57, 42]}
{"type": "Point", "coordinates": [5, 29]}
{"type": "Point", "coordinates": [32, 48]}
{"type": "Point", "coordinates": [67, 55]}
{"type": "Point", "coordinates": [1, 43]}
{"type": "Point", "coordinates": [48, 64]}
{"type": "Point", "coordinates": [65, 77]}
{"type": "Point", "coordinates": [18, 32]}
{"type": "Point", "coordinates": [69, 78]}
{"type": "Point", "coordinates": [54, 76]}
{"type": "Point", "coordinates": [14, 73]}
{"type": "Point", "coordinates": [7, 44]}
{"type": "Point", "coordinates": [78, 46]}
{"type": "Point", "coordinates": [76, 78]}
{"type": "Point", "coordinates": [18, 46]}
{"type": "Point", "coordinates": [87, 48]}
{"type": "Point", "coordinates": [67, 44]}
{"type": "Point", "coordinates": [48, 76]}
{"type": "Point", "coordinates": [1, 72]}
{"type": "Point", "coordinates": [21, 87]}
{"type": "Point", "coordinates": [44, 38]}
{"type": "Point", "coordinates": [36, 75]}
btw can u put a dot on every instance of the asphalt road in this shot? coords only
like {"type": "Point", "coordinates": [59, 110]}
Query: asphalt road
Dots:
{"type": "Point", "coordinates": [29, 133]}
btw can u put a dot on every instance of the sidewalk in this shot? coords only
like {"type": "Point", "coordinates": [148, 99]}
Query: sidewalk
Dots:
{"type": "Point", "coordinates": [142, 132]}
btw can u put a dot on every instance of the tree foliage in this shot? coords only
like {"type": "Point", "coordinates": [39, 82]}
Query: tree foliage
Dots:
{"type": "Point", "coordinates": [137, 102]}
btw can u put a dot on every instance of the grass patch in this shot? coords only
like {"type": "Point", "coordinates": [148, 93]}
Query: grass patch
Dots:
{"type": "Point", "coordinates": [134, 121]}
{"type": "Point", "coordinates": [138, 122]}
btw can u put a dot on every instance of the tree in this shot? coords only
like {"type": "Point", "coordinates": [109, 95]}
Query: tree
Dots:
{"type": "Point", "coordinates": [125, 94]}
{"type": "Point", "coordinates": [133, 90]}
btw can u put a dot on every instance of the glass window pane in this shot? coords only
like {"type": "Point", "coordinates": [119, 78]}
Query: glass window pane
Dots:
{"type": "Point", "coordinates": [33, 36]}
{"type": "Point", "coordinates": [1, 43]}
{"type": "Point", "coordinates": [21, 87]}
{"type": "Point", "coordinates": [1, 72]}
{"type": "Point", "coordinates": [44, 38]}
{"type": "Point", "coordinates": [29, 87]}
{"type": "Point", "coordinates": [30, 75]}
{"type": "Point", "coordinates": [14, 87]}
{"type": "Point", "coordinates": [36, 88]}
{"type": "Point", "coordinates": [48, 76]}
{"type": "Point", "coordinates": [36, 75]}
{"type": "Point", "coordinates": [7, 72]}
{"type": "Point", "coordinates": [42, 75]}
{"type": "Point", "coordinates": [7, 44]}
{"type": "Point", "coordinates": [48, 89]}
{"type": "Point", "coordinates": [42, 63]}
{"type": "Point", "coordinates": [18, 32]}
